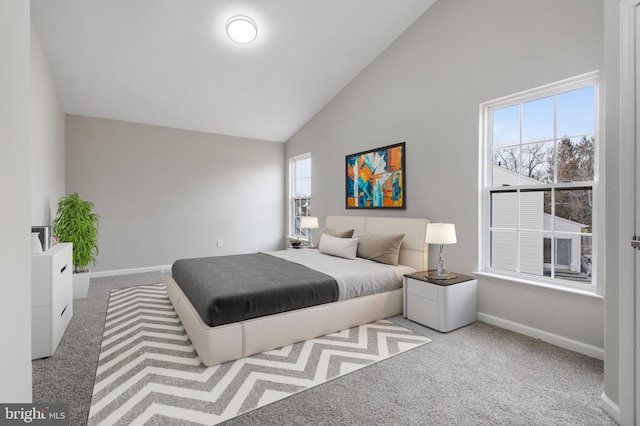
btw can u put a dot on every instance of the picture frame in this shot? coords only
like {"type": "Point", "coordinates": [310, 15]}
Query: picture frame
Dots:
{"type": "Point", "coordinates": [376, 178]}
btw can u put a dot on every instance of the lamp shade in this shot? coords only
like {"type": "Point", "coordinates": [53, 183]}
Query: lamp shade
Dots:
{"type": "Point", "coordinates": [308, 222]}
{"type": "Point", "coordinates": [441, 233]}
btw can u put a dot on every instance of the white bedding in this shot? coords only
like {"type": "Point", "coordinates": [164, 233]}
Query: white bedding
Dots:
{"type": "Point", "coordinates": [355, 278]}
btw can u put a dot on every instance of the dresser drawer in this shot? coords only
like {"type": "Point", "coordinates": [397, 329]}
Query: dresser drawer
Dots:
{"type": "Point", "coordinates": [61, 262]}
{"type": "Point", "coordinates": [423, 311]}
{"type": "Point", "coordinates": [60, 321]}
{"type": "Point", "coordinates": [422, 289]}
{"type": "Point", "coordinates": [46, 267]}
{"type": "Point", "coordinates": [62, 291]}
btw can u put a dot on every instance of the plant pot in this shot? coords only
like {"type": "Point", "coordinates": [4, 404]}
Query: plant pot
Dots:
{"type": "Point", "coordinates": [81, 284]}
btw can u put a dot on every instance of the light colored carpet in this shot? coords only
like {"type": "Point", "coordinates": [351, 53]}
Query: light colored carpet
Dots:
{"type": "Point", "coordinates": [477, 375]}
{"type": "Point", "coordinates": [149, 373]}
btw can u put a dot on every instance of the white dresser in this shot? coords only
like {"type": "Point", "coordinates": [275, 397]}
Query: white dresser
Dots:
{"type": "Point", "coordinates": [51, 298]}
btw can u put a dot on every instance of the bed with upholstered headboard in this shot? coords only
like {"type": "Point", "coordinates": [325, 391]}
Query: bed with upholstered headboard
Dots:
{"type": "Point", "coordinates": [233, 339]}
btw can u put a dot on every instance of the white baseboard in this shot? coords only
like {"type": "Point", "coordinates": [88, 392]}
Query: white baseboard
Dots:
{"type": "Point", "coordinates": [164, 268]}
{"type": "Point", "coordinates": [610, 407]}
{"type": "Point", "coordinates": [554, 339]}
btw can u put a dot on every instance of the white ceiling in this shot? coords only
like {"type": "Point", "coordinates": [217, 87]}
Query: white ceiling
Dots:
{"type": "Point", "coordinates": [170, 63]}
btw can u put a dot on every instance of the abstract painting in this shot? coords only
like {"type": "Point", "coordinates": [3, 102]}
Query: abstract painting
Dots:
{"type": "Point", "coordinates": [375, 179]}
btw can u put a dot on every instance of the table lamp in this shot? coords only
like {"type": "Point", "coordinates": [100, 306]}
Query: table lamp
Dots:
{"type": "Point", "coordinates": [441, 233]}
{"type": "Point", "coordinates": [309, 222]}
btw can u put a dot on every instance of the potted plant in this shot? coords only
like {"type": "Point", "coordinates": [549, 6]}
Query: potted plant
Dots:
{"type": "Point", "coordinates": [295, 242]}
{"type": "Point", "coordinates": [76, 223]}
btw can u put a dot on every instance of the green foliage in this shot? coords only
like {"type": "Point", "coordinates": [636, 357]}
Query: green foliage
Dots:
{"type": "Point", "coordinates": [75, 223]}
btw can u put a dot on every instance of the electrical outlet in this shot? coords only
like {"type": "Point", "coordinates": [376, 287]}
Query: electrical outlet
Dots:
{"type": "Point", "coordinates": [220, 244]}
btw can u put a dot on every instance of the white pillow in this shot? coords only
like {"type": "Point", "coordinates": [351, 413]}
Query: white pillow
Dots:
{"type": "Point", "coordinates": [341, 247]}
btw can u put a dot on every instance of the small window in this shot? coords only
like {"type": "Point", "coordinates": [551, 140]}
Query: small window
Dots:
{"type": "Point", "coordinates": [539, 179]}
{"type": "Point", "coordinates": [300, 193]}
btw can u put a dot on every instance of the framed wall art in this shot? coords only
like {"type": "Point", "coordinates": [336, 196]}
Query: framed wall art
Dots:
{"type": "Point", "coordinates": [376, 179]}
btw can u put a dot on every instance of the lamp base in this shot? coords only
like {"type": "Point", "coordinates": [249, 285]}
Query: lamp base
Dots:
{"type": "Point", "coordinates": [435, 276]}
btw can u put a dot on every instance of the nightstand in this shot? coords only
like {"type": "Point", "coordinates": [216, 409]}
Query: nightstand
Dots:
{"type": "Point", "coordinates": [290, 247]}
{"type": "Point", "coordinates": [443, 305]}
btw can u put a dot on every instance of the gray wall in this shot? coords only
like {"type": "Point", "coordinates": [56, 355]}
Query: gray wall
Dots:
{"type": "Point", "coordinates": [425, 89]}
{"type": "Point", "coordinates": [15, 303]}
{"type": "Point", "coordinates": [164, 194]}
{"type": "Point", "coordinates": [47, 139]}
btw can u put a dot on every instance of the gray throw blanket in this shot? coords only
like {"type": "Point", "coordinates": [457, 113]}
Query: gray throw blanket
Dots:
{"type": "Point", "coordinates": [227, 289]}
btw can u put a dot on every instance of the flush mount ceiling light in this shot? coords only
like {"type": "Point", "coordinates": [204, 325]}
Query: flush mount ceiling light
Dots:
{"type": "Point", "coordinates": [242, 29]}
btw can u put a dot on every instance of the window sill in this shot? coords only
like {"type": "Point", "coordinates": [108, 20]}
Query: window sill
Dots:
{"type": "Point", "coordinates": [520, 280]}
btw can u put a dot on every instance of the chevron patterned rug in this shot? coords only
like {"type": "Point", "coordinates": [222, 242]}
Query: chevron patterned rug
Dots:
{"type": "Point", "coordinates": [149, 373]}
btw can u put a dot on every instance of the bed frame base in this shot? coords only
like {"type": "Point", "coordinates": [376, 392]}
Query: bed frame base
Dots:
{"type": "Point", "coordinates": [216, 345]}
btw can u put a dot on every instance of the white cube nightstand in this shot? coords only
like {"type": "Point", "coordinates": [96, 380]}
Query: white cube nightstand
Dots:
{"type": "Point", "coordinates": [443, 305]}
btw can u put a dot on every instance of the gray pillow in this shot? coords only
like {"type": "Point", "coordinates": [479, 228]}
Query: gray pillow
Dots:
{"type": "Point", "coordinates": [338, 234]}
{"type": "Point", "coordinates": [383, 248]}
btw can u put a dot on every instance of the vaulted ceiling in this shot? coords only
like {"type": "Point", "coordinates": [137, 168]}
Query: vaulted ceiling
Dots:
{"type": "Point", "coordinates": [170, 62]}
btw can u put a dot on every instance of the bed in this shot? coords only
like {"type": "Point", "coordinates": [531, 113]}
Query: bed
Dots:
{"type": "Point", "coordinates": [216, 344]}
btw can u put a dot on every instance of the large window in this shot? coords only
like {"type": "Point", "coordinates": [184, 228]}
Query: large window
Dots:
{"type": "Point", "coordinates": [539, 179]}
{"type": "Point", "coordinates": [299, 193]}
